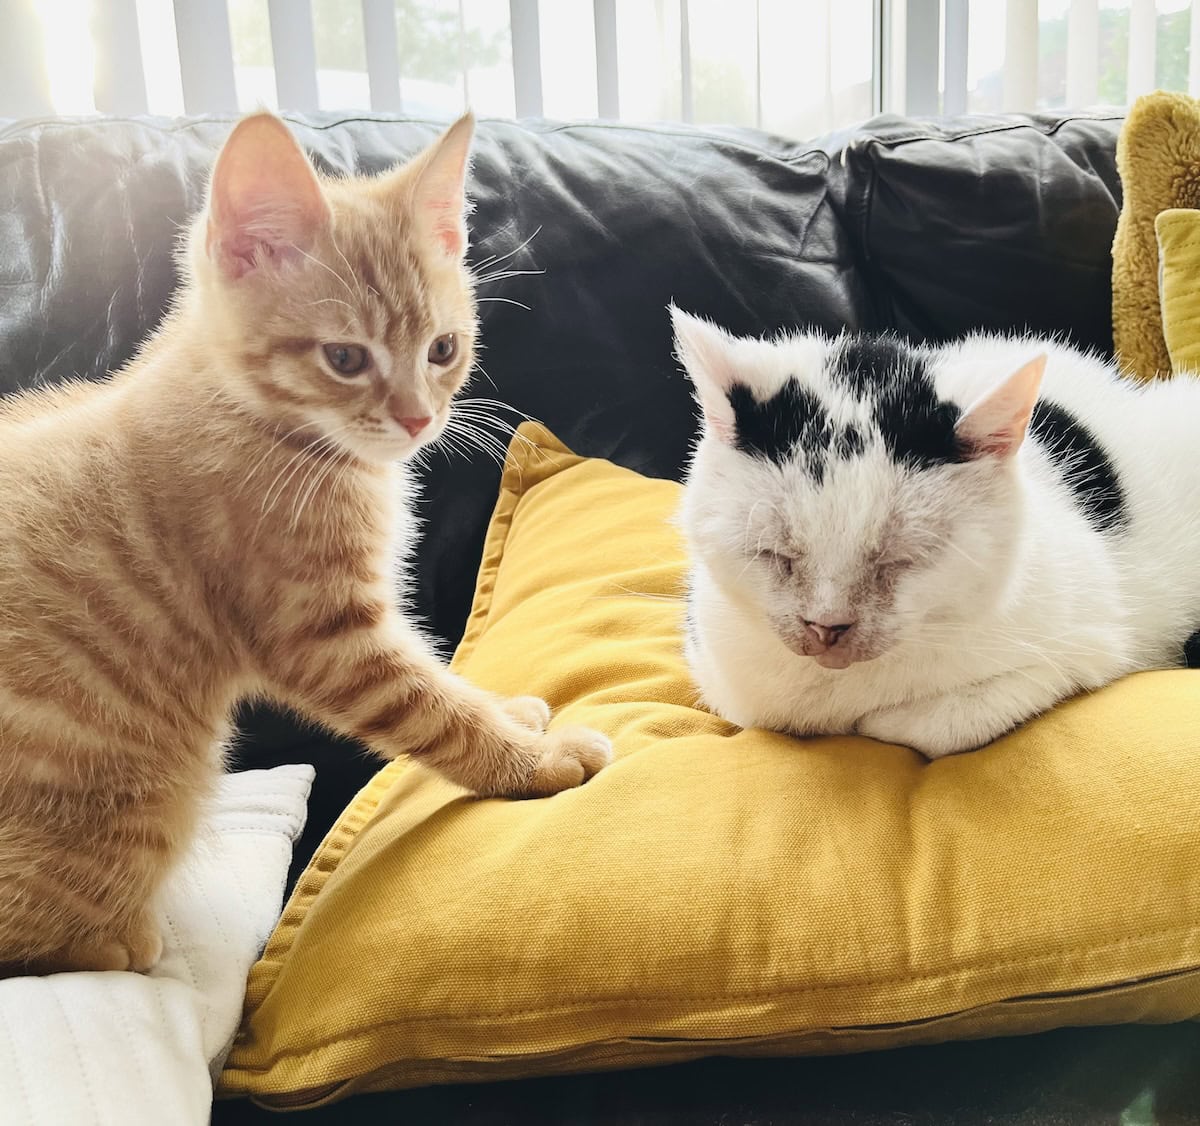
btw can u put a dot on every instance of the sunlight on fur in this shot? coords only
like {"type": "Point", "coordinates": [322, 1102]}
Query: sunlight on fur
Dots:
{"type": "Point", "coordinates": [223, 519]}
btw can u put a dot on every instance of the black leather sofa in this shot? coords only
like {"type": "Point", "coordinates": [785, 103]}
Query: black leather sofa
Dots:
{"type": "Point", "coordinates": [928, 228]}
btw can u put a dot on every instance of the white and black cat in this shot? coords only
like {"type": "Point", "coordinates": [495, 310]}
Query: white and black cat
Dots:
{"type": "Point", "coordinates": [929, 545]}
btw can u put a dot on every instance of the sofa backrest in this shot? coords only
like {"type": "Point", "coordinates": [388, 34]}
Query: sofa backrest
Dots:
{"type": "Point", "coordinates": [931, 229]}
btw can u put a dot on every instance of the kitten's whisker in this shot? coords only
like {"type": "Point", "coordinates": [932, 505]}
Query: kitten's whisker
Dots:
{"type": "Point", "coordinates": [503, 430]}
{"type": "Point", "coordinates": [275, 444]}
{"type": "Point", "coordinates": [327, 268]}
{"type": "Point", "coordinates": [455, 444]}
{"type": "Point", "coordinates": [483, 442]}
{"type": "Point", "coordinates": [500, 428]}
{"type": "Point", "coordinates": [642, 594]}
{"type": "Point", "coordinates": [330, 301]}
{"type": "Point", "coordinates": [495, 403]}
{"type": "Point", "coordinates": [501, 275]}
{"type": "Point", "coordinates": [300, 475]}
{"type": "Point", "coordinates": [296, 461]}
{"type": "Point", "coordinates": [506, 301]}
{"type": "Point", "coordinates": [478, 367]}
{"type": "Point", "coordinates": [493, 259]}
{"type": "Point", "coordinates": [336, 461]}
{"type": "Point", "coordinates": [350, 269]}
{"type": "Point", "coordinates": [487, 442]}
{"type": "Point", "coordinates": [511, 434]}
{"type": "Point", "coordinates": [324, 442]}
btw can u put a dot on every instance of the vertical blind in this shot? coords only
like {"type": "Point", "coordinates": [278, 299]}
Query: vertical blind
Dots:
{"type": "Point", "coordinates": [797, 67]}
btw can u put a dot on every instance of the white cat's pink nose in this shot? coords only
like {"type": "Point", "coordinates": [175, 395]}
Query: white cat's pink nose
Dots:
{"type": "Point", "coordinates": [828, 635]}
{"type": "Point", "coordinates": [414, 426]}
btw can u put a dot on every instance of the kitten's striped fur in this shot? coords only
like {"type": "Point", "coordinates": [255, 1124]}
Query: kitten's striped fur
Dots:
{"type": "Point", "coordinates": [222, 519]}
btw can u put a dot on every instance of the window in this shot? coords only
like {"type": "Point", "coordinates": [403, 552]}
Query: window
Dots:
{"type": "Point", "coordinates": [796, 67]}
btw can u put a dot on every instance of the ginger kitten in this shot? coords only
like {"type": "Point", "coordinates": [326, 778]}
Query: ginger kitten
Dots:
{"type": "Point", "coordinates": [224, 518]}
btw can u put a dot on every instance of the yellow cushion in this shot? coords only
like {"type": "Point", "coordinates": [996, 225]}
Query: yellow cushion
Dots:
{"type": "Point", "coordinates": [1178, 232]}
{"type": "Point", "coordinates": [718, 890]}
{"type": "Point", "coordinates": [1158, 157]}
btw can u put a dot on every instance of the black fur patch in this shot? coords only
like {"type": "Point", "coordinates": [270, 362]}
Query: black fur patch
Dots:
{"type": "Point", "coordinates": [1191, 651]}
{"type": "Point", "coordinates": [793, 416]}
{"type": "Point", "coordinates": [917, 427]}
{"type": "Point", "coordinates": [1084, 465]}
{"type": "Point", "coordinates": [849, 442]}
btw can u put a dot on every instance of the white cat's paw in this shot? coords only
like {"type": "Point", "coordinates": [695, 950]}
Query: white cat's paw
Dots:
{"type": "Point", "coordinates": [905, 730]}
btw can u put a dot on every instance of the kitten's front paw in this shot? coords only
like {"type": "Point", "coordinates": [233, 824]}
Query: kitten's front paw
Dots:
{"type": "Point", "coordinates": [569, 757]}
{"type": "Point", "coordinates": [529, 711]}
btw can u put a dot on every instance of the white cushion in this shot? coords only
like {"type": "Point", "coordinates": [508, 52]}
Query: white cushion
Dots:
{"type": "Point", "coordinates": [130, 1048]}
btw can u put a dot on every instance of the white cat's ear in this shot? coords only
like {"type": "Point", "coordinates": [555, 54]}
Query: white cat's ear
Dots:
{"type": "Point", "coordinates": [439, 193]}
{"type": "Point", "coordinates": [265, 202]}
{"type": "Point", "coordinates": [996, 423]}
{"type": "Point", "coordinates": [706, 353]}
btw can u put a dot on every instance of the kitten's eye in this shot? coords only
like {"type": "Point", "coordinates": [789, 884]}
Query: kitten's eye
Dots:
{"type": "Point", "coordinates": [443, 349]}
{"type": "Point", "coordinates": [347, 359]}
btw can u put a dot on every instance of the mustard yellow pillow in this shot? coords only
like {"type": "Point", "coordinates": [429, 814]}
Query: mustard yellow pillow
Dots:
{"type": "Point", "coordinates": [718, 890]}
{"type": "Point", "coordinates": [1158, 158]}
{"type": "Point", "coordinates": [1178, 233]}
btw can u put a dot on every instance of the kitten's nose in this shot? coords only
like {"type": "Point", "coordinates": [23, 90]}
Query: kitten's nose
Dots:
{"type": "Point", "coordinates": [414, 426]}
{"type": "Point", "coordinates": [828, 635]}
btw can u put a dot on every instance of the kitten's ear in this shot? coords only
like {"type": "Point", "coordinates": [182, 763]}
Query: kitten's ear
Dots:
{"type": "Point", "coordinates": [265, 202]}
{"type": "Point", "coordinates": [706, 353]}
{"type": "Point", "coordinates": [439, 194]}
{"type": "Point", "coordinates": [997, 422]}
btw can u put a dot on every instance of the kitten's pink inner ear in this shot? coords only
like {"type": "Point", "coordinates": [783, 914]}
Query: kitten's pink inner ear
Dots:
{"type": "Point", "coordinates": [996, 424]}
{"type": "Point", "coordinates": [440, 193]}
{"type": "Point", "coordinates": [266, 202]}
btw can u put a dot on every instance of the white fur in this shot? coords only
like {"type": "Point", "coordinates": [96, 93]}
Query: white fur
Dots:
{"type": "Point", "coordinates": [1017, 602]}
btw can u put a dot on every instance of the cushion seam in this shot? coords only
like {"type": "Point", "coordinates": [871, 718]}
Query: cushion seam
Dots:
{"type": "Point", "coordinates": [692, 999]}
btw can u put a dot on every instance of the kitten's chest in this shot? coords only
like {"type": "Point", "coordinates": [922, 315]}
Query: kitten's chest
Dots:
{"type": "Point", "coordinates": [371, 513]}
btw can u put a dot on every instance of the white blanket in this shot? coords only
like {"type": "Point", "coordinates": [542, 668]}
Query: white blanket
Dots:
{"type": "Point", "coordinates": [127, 1049]}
